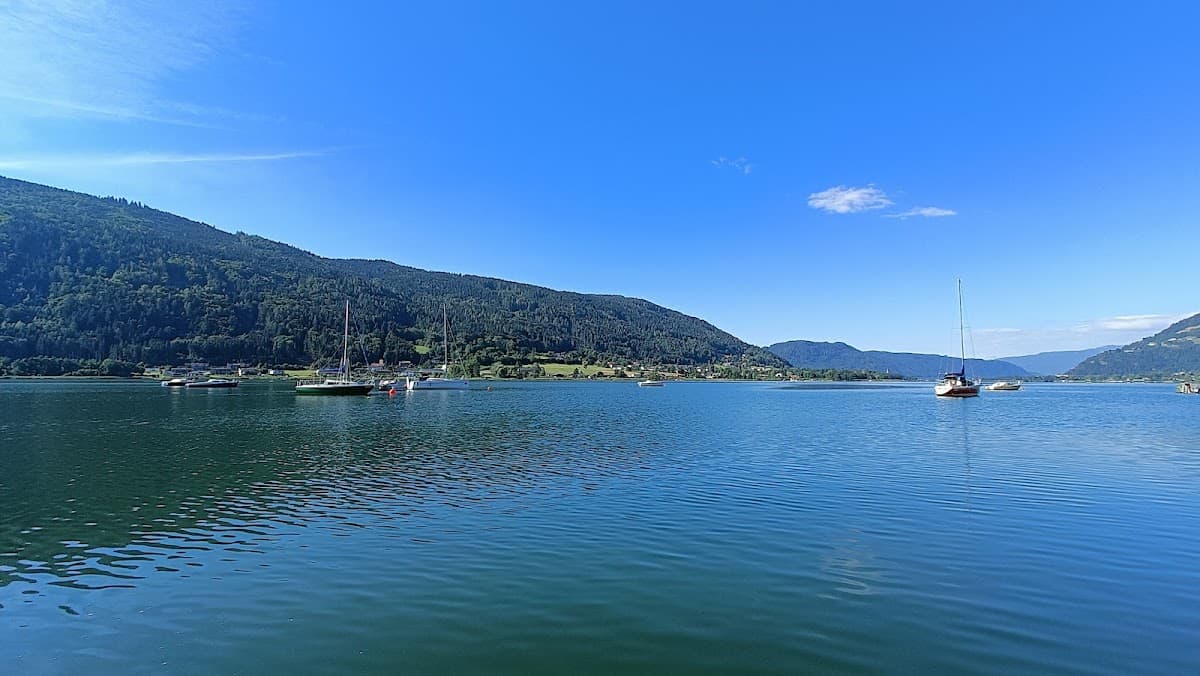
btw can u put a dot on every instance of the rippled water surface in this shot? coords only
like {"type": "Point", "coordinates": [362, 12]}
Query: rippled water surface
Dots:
{"type": "Point", "coordinates": [584, 527]}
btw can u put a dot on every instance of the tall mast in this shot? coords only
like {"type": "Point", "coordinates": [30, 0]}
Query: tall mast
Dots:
{"type": "Point", "coordinates": [446, 340]}
{"type": "Point", "coordinates": [962, 345]}
{"type": "Point", "coordinates": [346, 346]}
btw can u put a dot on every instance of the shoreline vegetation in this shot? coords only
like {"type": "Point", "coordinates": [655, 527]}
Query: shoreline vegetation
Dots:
{"type": "Point", "coordinates": [300, 374]}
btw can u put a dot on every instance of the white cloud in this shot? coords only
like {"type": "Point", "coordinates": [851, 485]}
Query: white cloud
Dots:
{"type": "Point", "coordinates": [1152, 323]}
{"type": "Point", "coordinates": [740, 165]}
{"type": "Point", "coordinates": [843, 200]}
{"type": "Point", "coordinates": [146, 158]}
{"type": "Point", "coordinates": [107, 59]}
{"type": "Point", "coordinates": [927, 212]}
{"type": "Point", "coordinates": [1119, 330]}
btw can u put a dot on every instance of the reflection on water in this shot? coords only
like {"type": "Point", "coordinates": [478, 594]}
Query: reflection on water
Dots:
{"type": "Point", "coordinates": [729, 527]}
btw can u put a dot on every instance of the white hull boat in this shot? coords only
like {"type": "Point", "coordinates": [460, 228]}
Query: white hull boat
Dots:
{"type": "Point", "coordinates": [439, 382]}
{"type": "Point", "coordinates": [435, 383]}
{"type": "Point", "coordinates": [1004, 386]}
{"type": "Point", "coordinates": [212, 383]}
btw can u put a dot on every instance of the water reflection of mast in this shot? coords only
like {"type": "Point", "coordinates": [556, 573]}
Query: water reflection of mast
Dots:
{"type": "Point", "coordinates": [966, 456]}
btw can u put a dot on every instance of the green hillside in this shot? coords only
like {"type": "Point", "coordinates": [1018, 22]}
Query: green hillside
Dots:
{"type": "Point", "coordinates": [1175, 349]}
{"type": "Point", "coordinates": [102, 278]}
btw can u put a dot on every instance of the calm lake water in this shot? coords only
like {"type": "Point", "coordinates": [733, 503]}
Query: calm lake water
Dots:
{"type": "Point", "coordinates": [589, 528]}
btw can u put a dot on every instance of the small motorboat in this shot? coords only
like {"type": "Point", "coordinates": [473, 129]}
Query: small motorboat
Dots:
{"type": "Point", "coordinates": [175, 382]}
{"type": "Point", "coordinates": [213, 383]}
{"type": "Point", "coordinates": [1188, 388]}
{"type": "Point", "coordinates": [1004, 386]}
{"type": "Point", "coordinates": [650, 383]}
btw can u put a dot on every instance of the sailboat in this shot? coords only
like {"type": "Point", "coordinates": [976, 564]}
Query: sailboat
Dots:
{"type": "Point", "coordinates": [956, 384]}
{"type": "Point", "coordinates": [342, 385]}
{"type": "Point", "coordinates": [440, 382]}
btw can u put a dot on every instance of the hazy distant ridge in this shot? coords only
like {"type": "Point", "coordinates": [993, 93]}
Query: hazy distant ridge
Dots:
{"type": "Point", "coordinates": [810, 354]}
{"type": "Point", "coordinates": [1054, 363]}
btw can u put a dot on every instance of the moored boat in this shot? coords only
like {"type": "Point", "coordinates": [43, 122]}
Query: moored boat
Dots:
{"type": "Point", "coordinates": [956, 384]}
{"type": "Point", "coordinates": [1188, 388]}
{"type": "Point", "coordinates": [215, 383]}
{"type": "Point", "coordinates": [435, 382]}
{"type": "Point", "coordinates": [175, 382]}
{"type": "Point", "coordinates": [1004, 386]}
{"type": "Point", "coordinates": [650, 383]}
{"type": "Point", "coordinates": [342, 385]}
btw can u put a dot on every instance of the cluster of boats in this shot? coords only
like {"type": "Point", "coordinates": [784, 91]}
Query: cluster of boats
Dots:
{"type": "Point", "coordinates": [956, 384]}
{"type": "Point", "coordinates": [344, 385]}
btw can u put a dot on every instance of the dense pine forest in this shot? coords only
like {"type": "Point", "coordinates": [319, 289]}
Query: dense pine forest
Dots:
{"type": "Point", "coordinates": [111, 282]}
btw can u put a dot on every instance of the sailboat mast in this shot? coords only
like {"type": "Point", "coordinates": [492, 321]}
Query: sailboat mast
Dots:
{"type": "Point", "coordinates": [346, 346]}
{"type": "Point", "coordinates": [962, 344]}
{"type": "Point", "coordinates": [446, 340]}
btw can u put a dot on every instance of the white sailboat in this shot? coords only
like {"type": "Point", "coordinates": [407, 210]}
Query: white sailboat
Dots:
{"type": "Point", "coordinates": [957, 384]}
{"type": "Point", "coordinates": [342, 385]}
{"type": "Point", "coordinates": [443, 382]}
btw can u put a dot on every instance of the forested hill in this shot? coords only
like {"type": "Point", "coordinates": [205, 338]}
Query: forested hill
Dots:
{"type": "Point", "coordinates": [1175, 349]}
{"type": "Point", "coordinates": [95, 278]}
{"type": "Point", "coordinates": [810, 354]}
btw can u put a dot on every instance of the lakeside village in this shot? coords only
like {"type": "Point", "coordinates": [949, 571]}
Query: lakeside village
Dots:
{"type": "Point", "coordinates": [536, 370]}
{"type": "Point", "coordinates": [543, 368]}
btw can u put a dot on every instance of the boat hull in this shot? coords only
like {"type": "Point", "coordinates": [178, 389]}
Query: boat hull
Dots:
{"type": "Point", "coordinates": [213, 385]}
{"type": "Point", "coordinates": [335, 389]}
{"type": "Point", "coordinates": [650, 383]}
{"type": "Point", "coordinates": [1004, 387]}
{"type": "Point", "coordinates": [960, 391]}
{"type": "Point", "coordinates": [438, 384]}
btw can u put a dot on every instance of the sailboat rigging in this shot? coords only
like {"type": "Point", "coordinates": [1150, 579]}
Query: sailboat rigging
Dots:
{"type": "Point", "coordinates": [443, 382]}
{"type": "Point", "coordinates": [342, 385]}
{"type": "Point", "coordinates": [956, 384]}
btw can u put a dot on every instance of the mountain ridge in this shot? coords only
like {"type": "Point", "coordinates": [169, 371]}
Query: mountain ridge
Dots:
{"type": "Point", "coordinates": [1055, 362]}
{"type": "Point", "coordinates": [814, 354]}
{"type": "Point", "coordinates": [1174, 350]}
{"type": "Point", "coordinates": [105, 278]}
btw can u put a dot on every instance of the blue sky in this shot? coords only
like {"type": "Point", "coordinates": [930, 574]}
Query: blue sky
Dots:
{"type": "Point", "coordinates": [784, 170]}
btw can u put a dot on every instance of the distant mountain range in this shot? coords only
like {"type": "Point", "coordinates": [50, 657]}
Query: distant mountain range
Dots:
{"type": "Point", "coordinates": [1054, 363]}
{"type": "Point", "coordinates": [1175, 349]}
{"type": "Point", "coordinates": [810, 354]}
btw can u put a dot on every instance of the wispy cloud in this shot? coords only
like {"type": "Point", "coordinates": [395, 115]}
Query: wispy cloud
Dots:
{"type": "Point", "coordinates": [1153, 323]}
{"type": "Point", "coordinates": [147, 158]}
{"type": "Point", "coordinates": [844, 200]}
{"type": "Point", "coordinates": [1119, 330]}
{"type": "Point", "coordinates": [740, 165]}
{"type": "Point", "coordinates": [107, 59]}
{"type": "Point", "coordinates": [926, 212]}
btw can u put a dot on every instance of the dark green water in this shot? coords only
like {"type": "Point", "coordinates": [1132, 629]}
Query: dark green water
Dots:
{"type": "Point", "coordinates": [592, 528]}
